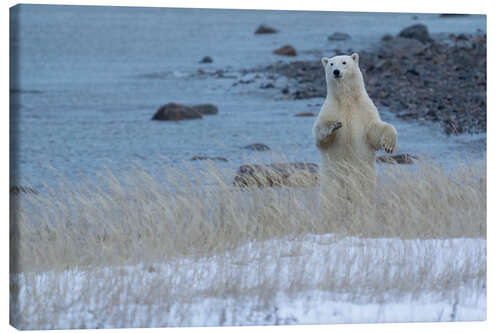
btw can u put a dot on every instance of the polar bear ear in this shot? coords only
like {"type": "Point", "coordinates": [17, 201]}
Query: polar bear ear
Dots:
{"type": "Point", "coordinates": [355, 57]}
{"type": "Point", "coordinates": [324, 61]}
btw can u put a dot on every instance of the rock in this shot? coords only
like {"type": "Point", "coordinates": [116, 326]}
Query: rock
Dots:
{"type": "Point", "coordinates": [257, 147]}
{"type": "Point", "coordinates": [264, 29]}
{"type": "Point", "coordinates": [204, 158]}
{"type": "Point", "coordinates": [174, 111]}
{"type": "Point", "coordinates": [387, 37]}
{"type": "Point", "coordinates": [452, 127]}
{"type": "Point", "coordinates": [16, 190]}
{"type": "Point", "coordinates": [246, 81]}
{"type": "Point", "coordinates": [413, 71]}
{"type": "Point", "coordinates": [286, 50]}
{"type": "Point", "coordinates": [277, 174]}
{"type": "Point", "coordinates": [305, 114]}
{"type": "Point", "coordinates": [337, 36]}
{"type": "Point", "coordinates": [432, 115]}
{"type": "Point", "coordinates": [397, 159]}
{"type": "Point", "coordinates": [206, 60]}
{"type": "Point", "coordinates": [267, 85]}
{"type": "Point", "coordinates": [416, 31]}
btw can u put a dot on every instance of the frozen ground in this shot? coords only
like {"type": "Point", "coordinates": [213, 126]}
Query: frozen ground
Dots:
{"type": "Point", "coordinates": [312, 280]}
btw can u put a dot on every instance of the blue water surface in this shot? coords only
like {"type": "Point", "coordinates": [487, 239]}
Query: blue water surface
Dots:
{"type": "Point", "coordinates": [87, 80]}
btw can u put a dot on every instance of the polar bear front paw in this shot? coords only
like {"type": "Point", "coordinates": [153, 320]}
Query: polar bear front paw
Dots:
{"type": "Point", "coordinates": [333, 126]}
{"type": "Point", "coordinates": [389, 139]}
{"type": "Point", "coordinates": [326, 133]}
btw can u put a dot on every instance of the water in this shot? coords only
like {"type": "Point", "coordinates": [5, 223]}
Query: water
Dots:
{"type": "Point", "coordinates": [88, 80]}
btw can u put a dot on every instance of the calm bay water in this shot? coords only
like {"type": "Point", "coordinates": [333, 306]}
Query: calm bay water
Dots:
{"type": "Point", "coordinates": [88, 79]}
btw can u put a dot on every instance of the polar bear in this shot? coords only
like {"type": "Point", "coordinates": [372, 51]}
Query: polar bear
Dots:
{"type": "Point", "coordinates": [348, 130]}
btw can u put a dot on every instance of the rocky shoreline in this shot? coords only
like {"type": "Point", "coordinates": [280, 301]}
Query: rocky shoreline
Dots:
{"type": "Point", "coordinates": [439, 79]}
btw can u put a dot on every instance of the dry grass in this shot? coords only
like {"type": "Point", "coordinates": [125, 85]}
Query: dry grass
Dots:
{"type": "Point", "coordinates": [132, 218]}
{"type": "Point", "coordinates": [242, 247]}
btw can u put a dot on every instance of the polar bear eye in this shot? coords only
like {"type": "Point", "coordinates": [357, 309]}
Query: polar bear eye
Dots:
{"type": "Point", "coordinates": [343, 62]}
{"type": "Point", "coordinates": [331, 64]}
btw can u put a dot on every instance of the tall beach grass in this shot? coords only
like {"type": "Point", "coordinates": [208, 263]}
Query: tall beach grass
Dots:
{"type": "Point", "coordinates": [132, 217]}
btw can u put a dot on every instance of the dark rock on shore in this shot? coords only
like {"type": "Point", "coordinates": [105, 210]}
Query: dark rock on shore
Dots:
{"type": "Point", "coordinates": [174, 111]}
{"type": "Point", "coordinates": [418, 32]}
{"type": "Point", "coordinates": [387, 37]}
{"type": "Point", "coordinates": [17, 190]}
{"type": "Point", "coordinates": [295, 173]}
{"type": "Point", "coordinates": [338, 36]}
{"type": "Point", "coordinates": [442, 80]}
{"type": "Point", "coordinates": [452, 127]}
{"type": "Point", "coordinates": [265, 29]}
{"type": "Point", "coordinates": [286, 50]}
{"type": "Point", "coordinates": [204, 158]}
{"type": "Point", "coordinates": [257, 147]}
{"type": "Point", "coordinates": [305, 114]}
{"type": "Point", "coordinates": [267, 85]}
{"type": "Point", "coordinates": [277, 174]}
{"type": "Point", "coordinates": [397, 159]}
{"type": "Point", "coordinates": [206, 60]}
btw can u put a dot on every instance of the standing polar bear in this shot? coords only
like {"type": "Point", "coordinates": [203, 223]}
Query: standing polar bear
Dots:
{"type": "Point", "coordinates": [348, 131]}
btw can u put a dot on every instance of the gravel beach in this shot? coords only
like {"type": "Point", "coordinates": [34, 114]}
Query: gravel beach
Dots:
{"type": "Point", "coordinates": [440, 79]}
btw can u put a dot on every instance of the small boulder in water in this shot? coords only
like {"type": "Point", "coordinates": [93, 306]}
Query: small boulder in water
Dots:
{"type": "Point", "coordinates": [174, 111]}
{"type": "Point", "coordinates": [206, 60]}
{"type": "Point", "coordinates": [305, 114]}
{"type": "Point", "coordinates": [337, 36]}
{"type": "Point", "coordinates": [416, 31]}
{"type": "Point", "coordinates": [264, 29]}
{"type": "Point", "coordinates": [387, 37]}
{"type": "Point", "coordinates": [205, 158]}
{"type": "Point", "coordinates": [257, 147]}
{"type": "Point", "coordinates": [286, 50]}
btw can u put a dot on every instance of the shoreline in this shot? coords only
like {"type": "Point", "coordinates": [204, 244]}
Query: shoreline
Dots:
{"type": "Point", "coordinates": [440, 80]}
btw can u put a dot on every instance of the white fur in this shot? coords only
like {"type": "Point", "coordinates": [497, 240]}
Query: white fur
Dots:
{"type": "Point", "coordinates": [351, 147]}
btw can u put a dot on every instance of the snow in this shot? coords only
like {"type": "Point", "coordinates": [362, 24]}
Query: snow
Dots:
{"type": "Point", "coordinates": [317, 279]}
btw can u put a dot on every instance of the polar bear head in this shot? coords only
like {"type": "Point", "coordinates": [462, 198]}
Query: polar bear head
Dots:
{"type": "Point", "coordinates": [341, 68]}
{"type": "Point", "coordinates": [344, 80]}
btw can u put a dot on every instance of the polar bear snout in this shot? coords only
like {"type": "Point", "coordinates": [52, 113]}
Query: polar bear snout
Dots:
{"type": "Point", "coordinates": [336, 73]}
